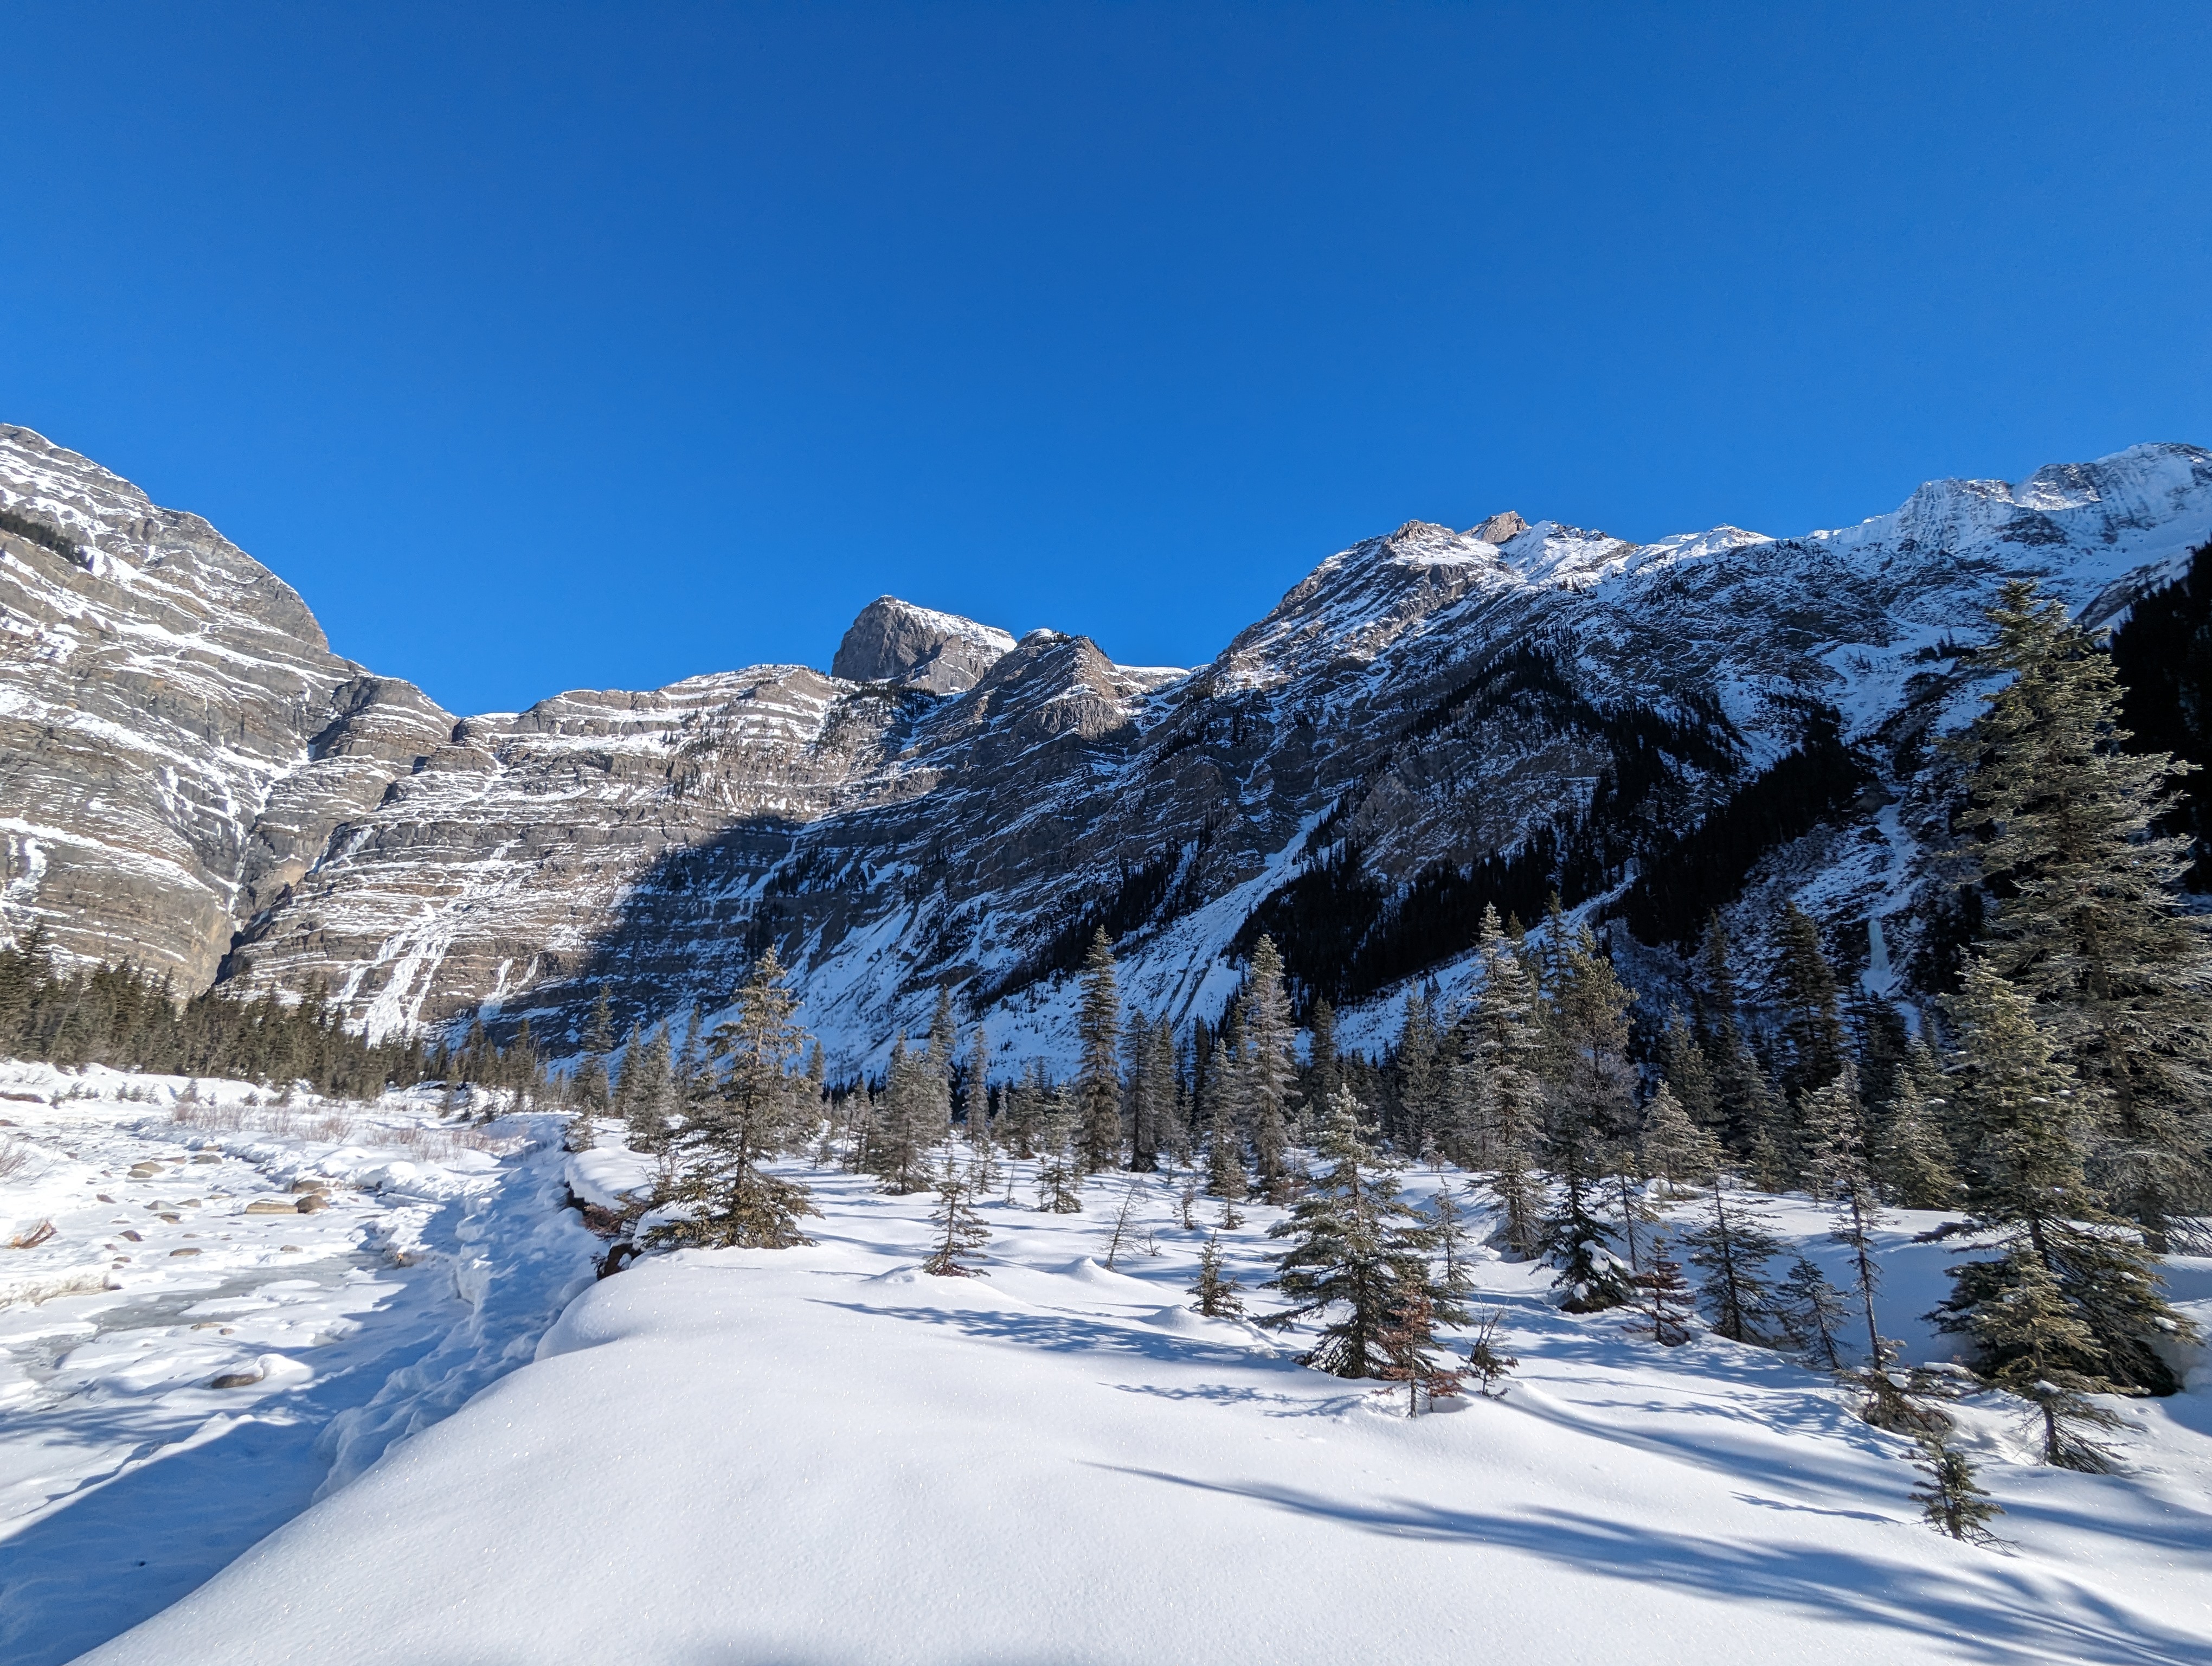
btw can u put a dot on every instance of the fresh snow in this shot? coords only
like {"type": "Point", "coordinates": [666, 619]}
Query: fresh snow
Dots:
{"type": "Point", "coordinates": [126, 1479]}
{"type": "Point", "coordinates": [823, 1455]}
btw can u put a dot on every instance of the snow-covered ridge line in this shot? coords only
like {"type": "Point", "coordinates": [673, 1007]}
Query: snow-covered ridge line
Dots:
{"type": "Point", "coordinates": [944, 813]}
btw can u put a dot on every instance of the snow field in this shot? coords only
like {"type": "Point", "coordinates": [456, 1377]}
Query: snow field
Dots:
{"type": "Point", "coordinates": [178, 1261]}
{"type": "Point", "coordinates": [823, 1455]}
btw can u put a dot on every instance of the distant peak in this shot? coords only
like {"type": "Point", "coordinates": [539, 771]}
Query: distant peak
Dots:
{"type": "Point", "coordinates": [894, 641]}
{"type": "Point", "coordinates": [1505, 524]}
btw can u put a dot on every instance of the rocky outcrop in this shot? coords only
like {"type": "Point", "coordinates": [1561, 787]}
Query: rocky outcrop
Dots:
{"type": "Point", "coordinates": [952, 807]}
{"type": "Point", "coordinates": [894, 641]}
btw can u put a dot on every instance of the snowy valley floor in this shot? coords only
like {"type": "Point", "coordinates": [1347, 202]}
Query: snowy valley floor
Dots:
{"type": "Point", "coordinates": [824, 1455]}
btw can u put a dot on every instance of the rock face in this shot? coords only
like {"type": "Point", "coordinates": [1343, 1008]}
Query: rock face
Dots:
{"type": "Point", "coordinates": [194, 779]}
{"type": "Point", "coordinates": [894, 641]}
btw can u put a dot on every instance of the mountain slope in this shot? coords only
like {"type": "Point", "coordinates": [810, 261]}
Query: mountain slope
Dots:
{"type": "Point", "coordinates": [1428, 721]}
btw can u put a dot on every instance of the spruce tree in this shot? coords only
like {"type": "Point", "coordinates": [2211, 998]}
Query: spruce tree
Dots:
{"type": "Point", "coordinates": [2049, 1358]}
{"type": "Point", "coordinates": [1731, 1247]}
{"type": "Point", "coordinates": [1913, 1159]}
{"type": "Point", "coordinates": [1060, 1170]}
{"type": "Point", "coordinates": [1419, 1076]}
{"type": "Point", "coordinates": [1508, 1038]}
{"type": "Point", "coordinates": [1664, 1296]}
{"type": "Point", "coordinates": [1145, 1119]}
{"type": "Point", "coordinates": [2089, 922]}
{"type": "Point", "coordinates": [1217, 1289]}
{"type": "Point", "coordinates": [1353, 1245]}
{"type": "Point", "coordinates": [979, 1092]}
{"type": "Point", "coordinates": [2027, 1188]}
{"type": "Point", "coordinates": [1269, 1069]}
{"type": "Point", "coordinates": [1686, 1071]}
{"type": "Point", "coordinates": [1814, 1312]}
{"type": "Point", "coordinates": [1588, 1080]}
{"type": "Point", "coordinates": [1098, 1075]}
{"type": "Point", "coordinates": [748, 1112]}
{"type": "Point", "coordinates": [1675, 1147]}
{"type": "Point", "coordinates": [1814, 1041]}
{"type": "Point", "coordinates": [1322, 1076]}
{"type": "Point", "coordinates": [647, 1087]}
{"type": "Point", "coordinates": [1950, 1501]}
{"type": "Point", "coordinates": [960, 1233]}
{"type": "Point", "coordinates": [1842, 1176]}
{"type": "Point", "coordinates": [1408, 1345]}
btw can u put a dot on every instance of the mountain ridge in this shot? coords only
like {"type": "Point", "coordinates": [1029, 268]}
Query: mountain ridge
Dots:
{"type": "Point", "coordinates": [195, 781]}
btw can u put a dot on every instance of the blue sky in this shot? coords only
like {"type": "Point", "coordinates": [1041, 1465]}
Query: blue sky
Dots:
{"type": "Point", "coordinates": [559, 347]}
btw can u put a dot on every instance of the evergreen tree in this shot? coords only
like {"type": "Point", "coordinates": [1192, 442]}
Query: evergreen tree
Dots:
{"type": "Point", "coordinates": [1268, 1067]}
{"type": "Point", "coordinates": [646, 1090]}
{"type": "Point", "coordinates": [2048, 1357]}
{"type": "Point", "coordinates": [1487, 1361]}
{"type": "Point", "coordinates": [1322, 1075]}
{"type": "Point", "coordinates": [1167, 1079]}
{"type": "Point", "coordinates": [1665, 1298]}
{"type": "Point", "coordinates": [960, 1233]}
{"type": "Point", "coordinates": [1224, 1169]}
{"type": "Point", "coordinates": [2027, 1187]}
{"type": "Point", "coordinates": [1842, 1176]}
{"type": "Point", "coordinates": [1353, 1245]}
{"type": "Point", "coordinates": [1731, 1247]}
{"type": "Point", "coordinates": [1913, 1160]}
{"type": "Point", "coordinates": [1060, 1170]}
{"type": "Point", "coordinates": [1098, 1076]}
{"type": "Point", "coordinates": [1814, 1041]}
{"type": "Point", "coordinates": [979, 1092]}
{"type": "Point", "coordinates": [1408, 1344]}
{"type": "Point", "coordinates": [1145, 1091]}
{"type": "Point", "coordinates": [751, 1112]}
{"type": "Point", "coordinates": [1509, 1042]}
{"type": "Point", "coordinates": [1686, 1071]}
{"type": "Point", "coordinates": [1950, 1501]}
{"type": "Point", "coordinates": [625, 1081]}
{"type": "Point", "coordinates": [1448, 1237]}
{"type": "Point", "coordinates": [2088, 922]}
{"type": "Point", "coordinates": [1814, 1312]}
{"type": "Point", "coordinates": [599, 1032]}
{"type": "Point", "coordinates": [903, 1132]}
{"type": "Point", "coordinates": [1217, 1289]}
{"type": "Point", "coordinates": [1589, 1080]}
{"type": "Point", "coordinates": [1418, 1074]}
{"type": "Point", "coordinates": [1676, 1148]}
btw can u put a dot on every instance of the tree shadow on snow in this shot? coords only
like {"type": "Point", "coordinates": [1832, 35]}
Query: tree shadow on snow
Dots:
{"type": "Point", "coordinates": [1995, 1613]}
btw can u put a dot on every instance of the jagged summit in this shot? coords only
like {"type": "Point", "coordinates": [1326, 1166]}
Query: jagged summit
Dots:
{"type": "Point", "coordinates": [190, 779]}
{"type": "Point", "coordinates": [894, 641]}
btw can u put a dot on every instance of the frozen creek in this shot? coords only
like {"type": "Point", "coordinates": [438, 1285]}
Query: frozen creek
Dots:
{"type": "Point", "coordinates": [188, 1358]}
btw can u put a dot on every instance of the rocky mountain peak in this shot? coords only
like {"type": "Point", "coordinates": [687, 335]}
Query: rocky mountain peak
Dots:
{"type": "Point", "coordinates": [1505, 524]}
{"type": "Point", "coordinates": [917, 647]}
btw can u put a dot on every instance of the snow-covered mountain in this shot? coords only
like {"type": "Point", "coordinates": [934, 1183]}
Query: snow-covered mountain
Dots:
{"type": "Point", "coordinates": [196, 782]}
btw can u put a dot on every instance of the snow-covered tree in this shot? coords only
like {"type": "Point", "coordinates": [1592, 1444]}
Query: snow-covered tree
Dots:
{"type": "Point", "coordinates": [1098, 1075]}
{"type": "Point", "coordinates": [751, 1112]}
{"type": "Point", "coordinates": [1269, 1067]}
{"type": "Point", "coordinates": [1217, 1289]}
{"type": "Point", "coordinates": [1353, 1245]}
{"type": "Point", "coordinates": [2089, 923]}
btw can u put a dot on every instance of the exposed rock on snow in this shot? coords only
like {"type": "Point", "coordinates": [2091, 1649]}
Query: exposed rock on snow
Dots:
{"type": "Point", "coordinates": [894, 641]}
{"type": "Point", "coordinates": [191, 773]}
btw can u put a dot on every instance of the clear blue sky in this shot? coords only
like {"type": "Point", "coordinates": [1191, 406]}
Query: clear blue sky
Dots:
{"type": "Point", "coordinates": [562, 346]}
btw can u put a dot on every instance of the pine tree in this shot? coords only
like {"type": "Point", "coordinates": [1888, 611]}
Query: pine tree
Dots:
{"type": "Point", "coordinates": [1059, 1170]}
{"type": "Point", "coordinates": [979, 1092]}
{"type": "Point", "coordinates": [1686, 1071]}
{"type": "Point", "coordinates": [1323, 1074]}
{"type": "Point", "coordinates": [1448, 1237]}
{"type": "Point", "coordinates": [1487, 1361]}
{"type": "Point", "coordinates": [1913, 1159]}
{"type": "Point", "coordinates": [1587, 1079]}
{"type": "Point", "coordinates": [1419, 1076]}
{"type": "Point", "coordinates": [1407, 1343]}
{"type": "Point", "coordinates": [1224, 1166]}
{"type": "Point", "coordinates": [903, 1132]}
{"type": "Point", "coordinates": [2089, 924]}
{"type": "Point", "coordinates": [1509, 1041]}
{"type": "Point", "coordinates": [1269, 1067]}
{"type": "Point", "coordinates": [1353, 1245]}
{"type": "Point", "coordinates": [748, 1114]}
{"type": "Point", "coordinates": [647, 1087]}
{"type": "Point", "coordinates": [1145, 1093]}
{"type": "Point", "coordinates": [1217, 1290]}
{"type": "Point", "coordinates": [1675, 1147]}
{"type": "Point", "coordinates": [1814, 1312]}
{"type": "Point", "coordinates": [2026, 1186]}
{"type": "Point", "coordinates": [1098, 1076]}
{"type": "Point", "coordinates": [1665, 1298]}
{"type": "Point", "coordinates": [625, 1080]}
{"type": "Point", "coordinates": [1843, 1178]}
{"type": "Point", "coordinates": [1731, 1247]}
{"type": "Point", "coordinates": [1950, 1501]}
{"type": "Point", "coordinates": [961, 1233]}
{"type": "Point", "coordinates": [1167, 1079]}
{"type": "Point", "coordinates": [600, 1033]}
{"type": "Point", "coordinates": [1813, 1039]}
{"type": "Point", "coordinates": [2049, 1358]}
